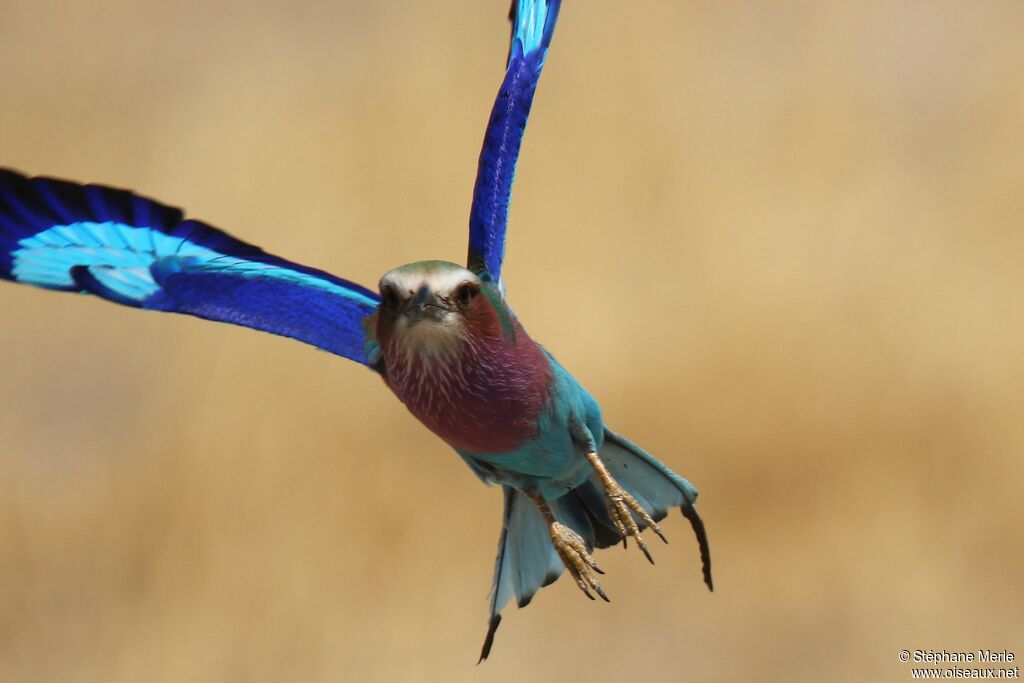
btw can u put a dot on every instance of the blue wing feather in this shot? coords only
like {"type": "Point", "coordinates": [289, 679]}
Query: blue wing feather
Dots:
{"type": "Point", "coordinates": [137, 252]}
{"type": "Point", "coordinates": [533, 23]}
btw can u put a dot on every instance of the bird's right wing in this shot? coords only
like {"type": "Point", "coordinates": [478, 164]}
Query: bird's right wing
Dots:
{"type": "Point", "coordinates": [137, 252]}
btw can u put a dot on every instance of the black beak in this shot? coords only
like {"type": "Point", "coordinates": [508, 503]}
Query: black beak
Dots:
{"type": "Point", "coordinates": [420, 299]}
{"type": "Point", "coordinates": [424, 304]}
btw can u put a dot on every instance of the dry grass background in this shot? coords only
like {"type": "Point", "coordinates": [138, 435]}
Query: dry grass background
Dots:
{"type": "Point", "coordinates": [781, 243]}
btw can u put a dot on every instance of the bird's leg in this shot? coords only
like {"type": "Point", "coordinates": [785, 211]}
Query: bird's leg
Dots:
{"type": "Point", "coordinates": [572, 549]}
{"type": "Point", "coordinates": [620, 503]}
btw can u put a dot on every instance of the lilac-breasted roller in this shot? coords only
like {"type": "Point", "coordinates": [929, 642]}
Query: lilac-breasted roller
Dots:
{"type": "Point", "coordinates": [442, 337]}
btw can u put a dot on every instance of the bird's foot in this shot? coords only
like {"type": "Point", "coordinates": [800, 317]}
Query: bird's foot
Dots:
{"type": "Point", "coordinates": [571, 549]}
{"type": "Point", "coordinates": [577, 559]}
{"type": "Point", "coordinates": [621, 506]}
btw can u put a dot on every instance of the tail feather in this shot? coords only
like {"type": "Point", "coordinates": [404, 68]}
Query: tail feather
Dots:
{"type": "Point", "coordinates": [702, 541]}
{"type": "Point", "coordinates": [657, 488]}
{"type": "Point", "coordinates": [588, 499]}
{"type": "Point", "coordinates": [527, 561]}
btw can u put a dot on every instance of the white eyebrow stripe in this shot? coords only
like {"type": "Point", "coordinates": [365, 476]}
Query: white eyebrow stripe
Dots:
{"type": "Point", "coordinates": [440, 282]}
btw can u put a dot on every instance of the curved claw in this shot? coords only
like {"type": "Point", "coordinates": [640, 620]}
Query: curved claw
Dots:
{"type": "Point", "coordinates": [621, 508]}
{"type": "Point", "coordinates": [577, 560]}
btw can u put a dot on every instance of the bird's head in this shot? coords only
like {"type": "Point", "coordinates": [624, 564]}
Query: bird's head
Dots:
{"type": "Point", "coordinates": [428, 308]}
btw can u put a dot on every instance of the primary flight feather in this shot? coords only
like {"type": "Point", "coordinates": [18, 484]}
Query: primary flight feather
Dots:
{"type": "Point", "coordinates": [441, 336]}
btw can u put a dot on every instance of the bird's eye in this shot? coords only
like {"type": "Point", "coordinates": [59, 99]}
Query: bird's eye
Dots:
{"type": "Point", "coordinates": [389, 295]}
{"type": "Point", "coordinates": [465, 293]}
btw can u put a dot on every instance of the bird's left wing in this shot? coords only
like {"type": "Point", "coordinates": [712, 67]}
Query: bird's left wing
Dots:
{"type": "Point", "coordinates": [533, 22]}
{"type": "Point", "coordinates": [137, 252]}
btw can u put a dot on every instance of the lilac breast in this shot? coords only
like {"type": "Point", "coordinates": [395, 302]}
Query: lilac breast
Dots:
{"type": "Point", "coordinates": [484, 397]}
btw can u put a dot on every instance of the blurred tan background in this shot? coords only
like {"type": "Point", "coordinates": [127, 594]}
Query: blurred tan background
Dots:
{"type": "Point", "coordinates": [781, 242]}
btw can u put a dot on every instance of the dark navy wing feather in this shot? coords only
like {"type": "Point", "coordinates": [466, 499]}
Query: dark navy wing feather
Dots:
{"type": "Point", "coordinates": [137, 252]}
{"type": "Point", "coordinates": [533, 22]}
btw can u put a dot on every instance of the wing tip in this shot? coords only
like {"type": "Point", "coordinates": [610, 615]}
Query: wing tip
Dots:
{"type": "Point", "coordinates": [534, 27]}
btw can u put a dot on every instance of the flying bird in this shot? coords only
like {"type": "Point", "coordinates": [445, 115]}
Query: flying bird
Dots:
{"type": "Point", "coordinates": [441, 336]}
